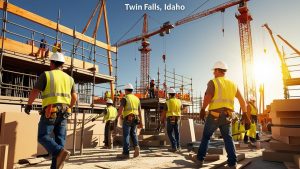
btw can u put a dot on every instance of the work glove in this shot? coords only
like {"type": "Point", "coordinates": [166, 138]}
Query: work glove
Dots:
{"type": "Point", "coordinates": [246, 121]}
{"type": "Point", "coordinates": [93, 119]}
{"type": "Point", "coordinates": [28, 108]}
{"type": "Point", "coordinates": [202, 114]}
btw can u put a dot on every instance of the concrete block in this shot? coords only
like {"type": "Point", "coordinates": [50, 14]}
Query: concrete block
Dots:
{"type": "Point", "coordinates": [285, 121]}
{"type": "Point", "coordinates": [279, 146]}
{"type": "Point", "coordinates": [287, 139]}
{"type": "Point", "coordinates": [297, 160]}
{"type": "Point", "coordinates": [187, 132]}
{"type": "Point", "coordinates": [286, 131]}
{"type": "Point", "coordinates": [285, 105]}
{"type": "Point", "coordinates": [3, 156]}
{"type": "Point", "coordinates": [270, 155]}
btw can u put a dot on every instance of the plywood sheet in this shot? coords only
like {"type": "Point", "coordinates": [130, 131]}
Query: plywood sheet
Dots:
{"type": "Point", "coordinates": [187, 132]}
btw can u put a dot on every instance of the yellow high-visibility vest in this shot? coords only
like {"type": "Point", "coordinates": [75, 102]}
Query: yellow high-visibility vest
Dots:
{"type": "Point", "coordinates": [252, 131]}
{"type": "Point", "coordinates": [174, 107]}
{"type": "Point", "coordinates": [58, 88]}
{"type": "Point", "coordinates": [225, 91]}
{"type": "Point", "coordinates": [132, 105]}
{"type": "Point", "coordinates": [111, 113]}
{"type": "Point", "coordinates": [253, 109]}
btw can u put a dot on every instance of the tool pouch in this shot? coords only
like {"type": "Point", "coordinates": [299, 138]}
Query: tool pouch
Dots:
{"type": "Point", "coordinates": [129, 119]}
{"type": "Point", "coordinates": [51, 111]}
{"type": "Point", "coordinates": [66, 111]}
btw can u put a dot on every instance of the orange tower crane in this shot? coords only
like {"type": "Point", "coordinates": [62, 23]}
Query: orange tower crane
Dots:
{"type": "Point", "coordinates": [244, 19]}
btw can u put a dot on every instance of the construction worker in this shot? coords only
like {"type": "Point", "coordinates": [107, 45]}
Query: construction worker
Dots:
{"type": "Point", "coordinates": [219, 97]}
{"type": "Point", "coordinates": [107, 95]}
{"type": "Point", "coordinates": [109, 120]}
{"type": "Point", "coordinates": [58, 98]}
{"type": "Point", "coordinates": [152, 88]}
{"type": "Point", "coordinates": [252, 111]}
{"type": "Point", "coordinates": [172, 111]}
{"type": "Point", "coordinates": [130, 112]}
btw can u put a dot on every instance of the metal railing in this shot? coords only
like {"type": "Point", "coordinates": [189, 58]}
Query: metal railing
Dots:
{"type": "Point", "coordinates": [18, 83]}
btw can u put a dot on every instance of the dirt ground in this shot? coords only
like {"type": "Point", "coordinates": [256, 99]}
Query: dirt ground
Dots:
{"type": "Point", "coordinates": [151, 158]}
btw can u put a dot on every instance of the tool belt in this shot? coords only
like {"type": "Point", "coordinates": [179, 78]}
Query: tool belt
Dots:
{"type": "Point", "coordinates": [132, 118]}
{"type": "Point", "coordinates": [52, 111]}
{"type": "Point", "coordinates": [228, 114]}
{"type": "Point", "coordinates": [174, 119]}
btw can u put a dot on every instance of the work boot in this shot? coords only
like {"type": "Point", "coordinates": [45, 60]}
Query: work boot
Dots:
{"type": "Point", "coordinates": [136, 151]}
{"type": "Point", "coordinates": [178, 149]}
{"type": "Point", "coordinates": [123, 156]}
{"type": "Point", "coordinates": [194, 158]}
{"type": "Point", "coordinates": [61, 158]}
{"type": "Point", "coordinates": [173, 150]}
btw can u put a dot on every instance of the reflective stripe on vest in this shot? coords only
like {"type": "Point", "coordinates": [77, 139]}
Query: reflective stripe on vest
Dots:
{"type": "Point", "coordinates": [225, 91]}
{"type": "Point", "coordinates": [253, 109]}
{"type": "Point", "coordinates": [174, 107]}
{"type": "Point", "coordinates": [111, 113]}
{"type": "Point", "coordinates": [132, 105]}
{"type": "Point", "coordinates": [58, 88]}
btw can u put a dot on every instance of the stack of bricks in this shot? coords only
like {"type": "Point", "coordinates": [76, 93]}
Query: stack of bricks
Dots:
{"type": "Point", "coordinates": [285, 143]}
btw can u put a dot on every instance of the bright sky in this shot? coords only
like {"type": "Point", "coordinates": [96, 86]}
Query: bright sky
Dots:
{"type": "Point", "coordinates": [192, 48]}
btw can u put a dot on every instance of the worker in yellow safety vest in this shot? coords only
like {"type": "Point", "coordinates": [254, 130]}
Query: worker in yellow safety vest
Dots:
{"type": "Point", "coordinates": [172, 112]}
{"type": "Point", "coordinates": [109, 120]}
{"type": "Point", "coordinates": [130, 112]}
{"type": "Point", "coordinates": [238, 129]}
{"type": "Point", "coordinates": [219, 97]}
{"type": "Point", "coordinates": [252, 112]}
{"type": "Point", "coordinates": [58, 98]}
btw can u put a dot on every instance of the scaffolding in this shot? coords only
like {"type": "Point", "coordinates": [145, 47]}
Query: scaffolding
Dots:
{"type": "Point", "coordinates": [27, 40]}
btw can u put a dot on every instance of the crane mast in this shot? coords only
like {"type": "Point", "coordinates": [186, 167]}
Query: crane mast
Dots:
{"type": "Point", "coordinates": [244, 17]}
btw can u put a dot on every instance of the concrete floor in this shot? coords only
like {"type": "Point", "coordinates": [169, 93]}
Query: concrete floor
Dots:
{"type": "Point", "coordinates": [151, 158]}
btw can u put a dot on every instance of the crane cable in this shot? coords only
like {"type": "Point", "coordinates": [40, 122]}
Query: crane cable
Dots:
{"type": "Point", "coordinates": [223, 21]}
{"type": "Point", "coordinates": [130, 29]}
{"type": "Point", "coordinates": [198, 8]}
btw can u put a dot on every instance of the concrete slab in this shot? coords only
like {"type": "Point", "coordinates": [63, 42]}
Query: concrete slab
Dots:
{"type": "Point", "coordinates": [270, 155]}
{"type": "Point", "coordinates": [279, 146]}
{"type": "Point", "coordinates": [187, 132]}
{"type": "Point", "coordinates": [285, 131]}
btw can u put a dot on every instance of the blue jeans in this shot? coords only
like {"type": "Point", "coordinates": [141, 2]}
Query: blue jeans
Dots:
{"type": "Point", "coordinates": [129, 130]}
{"type": "Point", "coordinates": [211, 124]}
{"type": "Point", "coordinates": [173, 130]}
{"type": "Point", "coordinates": [56, 144]}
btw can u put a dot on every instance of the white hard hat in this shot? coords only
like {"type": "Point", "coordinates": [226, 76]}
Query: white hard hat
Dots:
{"type": "Point", "coordinates": [57, 56]}
{"type": "Point", "coordinates": [128, 86]}
{"type": "Point", "coordinates": [252, 98]}
{"type": "Point", "coordinates": [109, 101]}
{"type": "Point", "coordinates": [220, 65]}
{"type": "Point", "coordinates": [171, 91]}
{"type": "Point", "coordinates": [153, 79]}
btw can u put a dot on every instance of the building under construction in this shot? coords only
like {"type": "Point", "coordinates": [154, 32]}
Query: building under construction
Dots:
{"type": "Point", "coordinates": [27, 41]}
